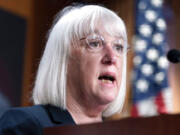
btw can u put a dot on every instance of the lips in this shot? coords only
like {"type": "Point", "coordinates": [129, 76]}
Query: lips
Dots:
{"type": "Point", "coordinates": [107, 77]}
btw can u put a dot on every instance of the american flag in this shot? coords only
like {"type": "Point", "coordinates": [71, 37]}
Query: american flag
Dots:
{"type": "Point", "coordinates": [151, 92]}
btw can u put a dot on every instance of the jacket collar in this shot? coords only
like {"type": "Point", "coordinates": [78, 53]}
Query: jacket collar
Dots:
{"type": "Point", "coordinates": [58, 115]}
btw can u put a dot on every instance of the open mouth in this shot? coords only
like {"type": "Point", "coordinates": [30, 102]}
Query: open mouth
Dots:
{"type": "Point", "coordinates": [107, 78]}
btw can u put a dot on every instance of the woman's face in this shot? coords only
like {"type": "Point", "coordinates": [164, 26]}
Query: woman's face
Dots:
{"type": "Point", "coordinates": [94, 77]}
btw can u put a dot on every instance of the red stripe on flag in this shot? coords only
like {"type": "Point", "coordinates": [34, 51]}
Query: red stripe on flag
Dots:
{"type": "Point", "coordinates": [159, 101]}
{"type": "Point", "coordinates": [134, 111]}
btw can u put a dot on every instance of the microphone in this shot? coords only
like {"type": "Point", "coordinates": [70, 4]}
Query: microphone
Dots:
{"type": "Point", "coordinates": [173, 56]}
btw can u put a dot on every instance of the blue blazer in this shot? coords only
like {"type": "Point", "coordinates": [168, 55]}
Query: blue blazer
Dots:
{"type": "Point", "coordinates": [32, 120]}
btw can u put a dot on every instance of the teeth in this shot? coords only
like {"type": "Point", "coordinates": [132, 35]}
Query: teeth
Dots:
{"type": "Point", "coordinates": [106, 81]}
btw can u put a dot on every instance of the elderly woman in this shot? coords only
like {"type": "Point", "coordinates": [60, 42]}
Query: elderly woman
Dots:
{"type": "Point", "coordinates": [82, 73]}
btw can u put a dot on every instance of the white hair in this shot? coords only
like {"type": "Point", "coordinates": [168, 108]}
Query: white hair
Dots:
{"type": "Point", "coordinates": [74, 23]}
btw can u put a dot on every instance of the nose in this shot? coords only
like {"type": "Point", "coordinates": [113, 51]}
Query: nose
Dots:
{"type": "Point", "coordinates": [109, 57]}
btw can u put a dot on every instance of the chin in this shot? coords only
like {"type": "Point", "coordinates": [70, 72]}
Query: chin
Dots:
{"type": "Point", "coordinates": [108, 98]}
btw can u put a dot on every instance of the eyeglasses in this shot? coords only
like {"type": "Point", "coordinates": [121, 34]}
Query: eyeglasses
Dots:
{"type": "Point", "coordinates": [95, 43]}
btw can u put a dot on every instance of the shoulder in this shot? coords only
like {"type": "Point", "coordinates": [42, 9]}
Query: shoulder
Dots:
{"type": "Point", "coordinates": [31, 120]}
{"type": "Point", "coordinates": [21, 121]}
{"type": "Point", "coordinates": [19, 115]}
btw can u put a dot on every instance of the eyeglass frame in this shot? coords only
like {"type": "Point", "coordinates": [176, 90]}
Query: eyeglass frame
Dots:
{"type": "Point", "coordinates": [126, 48]}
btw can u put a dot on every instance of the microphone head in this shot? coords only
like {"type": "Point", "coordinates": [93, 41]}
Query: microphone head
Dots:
{"type": "Point", "coordinates": [173, 56]}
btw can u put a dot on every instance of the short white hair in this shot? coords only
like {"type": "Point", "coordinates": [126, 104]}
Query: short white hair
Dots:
{"type": "Point", "coordinates": [73, 23]}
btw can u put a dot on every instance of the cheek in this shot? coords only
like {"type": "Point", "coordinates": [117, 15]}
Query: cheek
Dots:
{"type": "Point", "coordinates": [89, 67]}
{"type": "Point", "coordinates": [120, 70]}
{"type": "Point", "coordinates": [74, 68]}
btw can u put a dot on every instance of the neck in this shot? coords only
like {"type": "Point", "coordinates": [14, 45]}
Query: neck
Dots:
{"type": "Point", "coordinates": [83, 114]}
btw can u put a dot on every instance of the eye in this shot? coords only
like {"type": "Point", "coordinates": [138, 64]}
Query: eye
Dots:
{"type": "Point", "coordinates": [94, 43]}
{"type": "Point", "coordinates": [118, 47]}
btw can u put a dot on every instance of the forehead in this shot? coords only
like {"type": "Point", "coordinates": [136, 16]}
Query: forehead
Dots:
{"type": "Point", "coordinates": [102, 32]}
{"type": "Point", "coordinates": [108, 29]}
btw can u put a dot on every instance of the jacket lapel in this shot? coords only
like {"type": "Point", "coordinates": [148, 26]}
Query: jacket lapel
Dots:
{"type": "Point", "coordinates": [59, 116]}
